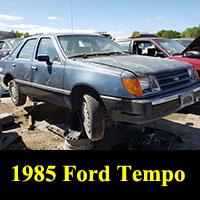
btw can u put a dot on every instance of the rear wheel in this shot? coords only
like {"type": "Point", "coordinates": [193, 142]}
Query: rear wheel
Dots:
{"type": "Point", "coordinates": [93, 117]}
{"type": "Point", "coordinates": [17, 97]}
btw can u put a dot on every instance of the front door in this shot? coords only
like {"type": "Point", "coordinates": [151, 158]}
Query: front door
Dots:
{"type": "Point", "coordinates": [47, 78]}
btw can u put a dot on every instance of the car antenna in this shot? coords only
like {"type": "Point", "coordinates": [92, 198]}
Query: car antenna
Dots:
{"type": "Point", "coordinates": [72, 16]}
{"type": "Point", "coordinates": [72, 22]}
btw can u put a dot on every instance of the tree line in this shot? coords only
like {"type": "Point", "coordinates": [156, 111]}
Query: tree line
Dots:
{"type": "Point", "coordinates": [187, 33]}
{"type": "Point", "coordinates": [23, 35]}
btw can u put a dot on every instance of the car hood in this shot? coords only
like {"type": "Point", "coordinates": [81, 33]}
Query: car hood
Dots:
{"type": "Point", "coordinates": [139, 65]}
{"type": "Point", "coordinates": [193, 46]}
{"type": "Point", "coordinates": [194, 62]}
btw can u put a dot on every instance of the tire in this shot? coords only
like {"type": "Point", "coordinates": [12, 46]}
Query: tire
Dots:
{"type": "Point", "coordinates": [17, 97]}
{"type": "Point", "coordinates": [93, 117]}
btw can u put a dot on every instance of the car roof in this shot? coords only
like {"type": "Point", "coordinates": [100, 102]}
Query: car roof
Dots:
{"type": "Point", "coordinates": [189, 39]}
{"type": "Point", "coordinates": [62, 34]}
{"type": "Point", "coordinates": [59, 34]}
{"type": "Point", "coordinates": [139, 38]}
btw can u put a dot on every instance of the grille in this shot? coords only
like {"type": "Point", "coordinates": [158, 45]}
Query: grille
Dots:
{"type": "Point", "coordinates": [173, 80]}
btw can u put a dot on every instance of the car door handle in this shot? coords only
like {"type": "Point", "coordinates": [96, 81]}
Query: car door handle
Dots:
{"type": "Point", "coordinates": [34, 68]}
{"type": "Point", "coordinates": [13, 65]}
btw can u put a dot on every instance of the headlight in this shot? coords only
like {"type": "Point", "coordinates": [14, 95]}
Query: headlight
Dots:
{"type": "Point", "coordinates": [193, 73]}
{"type": "Point", "coordinates": [141, 86]}
{"type": "Point", "coordinates": [149, 84]}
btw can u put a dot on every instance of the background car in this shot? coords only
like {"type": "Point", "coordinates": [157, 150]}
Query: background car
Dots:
{"type": "Point", "coordinates": [148, 35]}
{"type": "Point", "coordinates": [164, 48]}
{"type": "Point", "coordinates": [7, 45]}
{"type": "Point", "coordinates": [184, 41]}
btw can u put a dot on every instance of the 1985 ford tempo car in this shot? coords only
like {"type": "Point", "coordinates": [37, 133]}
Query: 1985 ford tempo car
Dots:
{"type": "Point", "coordinates": [92, 74]}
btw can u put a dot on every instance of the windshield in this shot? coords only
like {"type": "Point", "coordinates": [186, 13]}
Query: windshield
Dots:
{"type": "Point", "coordinates": [171, 46]}
{"type": "Point", "coordinates": [77, 45]}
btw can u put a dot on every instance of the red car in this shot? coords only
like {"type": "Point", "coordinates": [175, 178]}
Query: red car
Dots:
{"type": "Point", "coordinates": [165, 48]}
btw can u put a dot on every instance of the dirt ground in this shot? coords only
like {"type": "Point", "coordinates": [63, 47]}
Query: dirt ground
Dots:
{"type": "Point", "coordinates": [185, 124]}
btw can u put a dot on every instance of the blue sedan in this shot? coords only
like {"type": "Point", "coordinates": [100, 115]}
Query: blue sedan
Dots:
{"type": "Point", "coordinates": [92, 75]}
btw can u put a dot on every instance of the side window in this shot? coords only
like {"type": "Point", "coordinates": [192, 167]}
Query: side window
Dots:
{"type": "Point", "coordinates": [27, 50]}
{"type": "Point", "coordinates": [2, 44]}
{"type": "Point", "coordinates": [14, 53]}
{"type": "Point", "coordinates": [125, 45]}
{"type": "Point", "coordinates": [145, 48]}
{"type": "Point", "coordinates": [46, 47]}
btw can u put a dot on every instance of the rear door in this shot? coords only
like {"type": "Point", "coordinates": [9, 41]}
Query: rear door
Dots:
{"type": "Point", "coordinates": [20, 66]}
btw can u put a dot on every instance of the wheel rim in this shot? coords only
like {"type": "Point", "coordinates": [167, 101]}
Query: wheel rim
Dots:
{"type": "Point", "coordinates": [14, 93]}
{"type": "Point", "coordinates": [86, 119]}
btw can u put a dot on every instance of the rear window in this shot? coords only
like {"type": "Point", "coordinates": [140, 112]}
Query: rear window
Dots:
{"type": "Point", "coordinates": [125, 45]}
{"type": "Point", "coordinates": [15, 42]}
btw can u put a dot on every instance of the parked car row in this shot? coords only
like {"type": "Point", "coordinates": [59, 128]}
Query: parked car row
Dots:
{"type": "Point", "coordinates": [93, 75]}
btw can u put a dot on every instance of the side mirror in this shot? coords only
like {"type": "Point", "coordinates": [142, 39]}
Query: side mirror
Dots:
{"type": "Point", "coordinates": [44, 58]}
{"type": "Point", "coordinates": [192, 54]}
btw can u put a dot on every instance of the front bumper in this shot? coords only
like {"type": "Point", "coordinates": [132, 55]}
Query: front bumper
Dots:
{"type": "Point", "coordinates": [148, 110]}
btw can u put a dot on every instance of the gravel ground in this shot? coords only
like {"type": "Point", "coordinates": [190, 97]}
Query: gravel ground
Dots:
{"type": "Point", "coordinates": [184, 124]}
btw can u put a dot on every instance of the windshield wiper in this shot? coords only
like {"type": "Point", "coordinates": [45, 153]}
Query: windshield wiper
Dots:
{"type": "Point", "coordinates": [97, 54]}
{"type": "Point", "coordinates": [79, 56]}
{"type": "Point", "coordinates": [176, 54]}
{"type": "Point", "coordinates": [112, 53]}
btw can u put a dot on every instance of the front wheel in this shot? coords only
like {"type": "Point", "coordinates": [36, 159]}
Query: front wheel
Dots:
{"type": "Point", "coordinates": [17, 97]}
{"type": "Point", "coordinates": [93, 117]}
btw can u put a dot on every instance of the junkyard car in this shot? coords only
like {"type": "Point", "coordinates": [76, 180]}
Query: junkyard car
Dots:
{"type": "Point", "coordinates": [92, 75]}
{"type": "Point", "coordinates": [164, 48]}
{"type": "Point", "coordinates": [7, 45]}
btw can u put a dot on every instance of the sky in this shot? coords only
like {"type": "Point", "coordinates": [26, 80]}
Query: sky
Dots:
{"type": "Point", "coordinates": [118, 17]}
